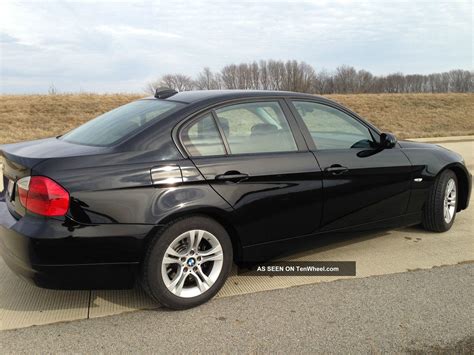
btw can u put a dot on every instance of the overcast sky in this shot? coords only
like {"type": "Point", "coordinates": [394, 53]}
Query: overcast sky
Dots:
{"type": "Point", "coordinates": [119, 46]}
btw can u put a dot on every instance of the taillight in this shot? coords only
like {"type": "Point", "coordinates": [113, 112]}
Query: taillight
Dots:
{"type": "Point", "coordinates": [41, 195]}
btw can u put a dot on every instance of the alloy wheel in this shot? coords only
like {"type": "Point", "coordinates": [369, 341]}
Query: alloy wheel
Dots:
{"type": "Point", "coordinates": [192, 263]}
{"type": "Point", "coordinates": [450, 201]}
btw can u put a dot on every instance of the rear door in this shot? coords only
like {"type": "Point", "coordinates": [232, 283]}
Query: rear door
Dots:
{"type": "Point", "coordinates": [254, 156]}
{"type": "Point", "coordinates": [361, 183]}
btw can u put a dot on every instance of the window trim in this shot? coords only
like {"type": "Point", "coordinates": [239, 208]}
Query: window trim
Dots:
{"type": "Point", "coordinates": [307, 134]}
{"type": "Point", "coordinates": [192, 122]}
{"type": "Point", "coordinates": [221, 132]}
{"type": "Point", "coordinates": [295, 130]}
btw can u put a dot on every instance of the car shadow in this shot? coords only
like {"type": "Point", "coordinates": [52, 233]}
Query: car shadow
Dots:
{"type": "Point", "coordinates": [330, 242]}
{"type": "Point", "coordinates": [137, 298]}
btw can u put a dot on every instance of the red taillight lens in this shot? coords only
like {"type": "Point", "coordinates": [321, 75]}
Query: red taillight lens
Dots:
{"type": "Point", "coordinates": [41, 195]}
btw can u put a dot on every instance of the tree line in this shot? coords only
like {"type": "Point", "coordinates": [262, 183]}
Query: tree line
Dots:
{"type": "Point", "coordinates": [299, 76]}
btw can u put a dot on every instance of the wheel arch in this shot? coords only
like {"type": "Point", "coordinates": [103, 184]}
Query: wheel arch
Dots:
{"type": "Point", "coordinates": [220, 216]}
{"type": "Point", "coordinates": [463, 183]}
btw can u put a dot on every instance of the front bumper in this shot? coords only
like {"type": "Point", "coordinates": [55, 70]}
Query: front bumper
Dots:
{"type": "Point", "coordinates": [54, 254]}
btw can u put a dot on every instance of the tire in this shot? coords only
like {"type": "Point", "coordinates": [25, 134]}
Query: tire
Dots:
{"type": "Point", "coordinates": [439, 199]}
{"type": "Point", "coordinates": [172, 268]}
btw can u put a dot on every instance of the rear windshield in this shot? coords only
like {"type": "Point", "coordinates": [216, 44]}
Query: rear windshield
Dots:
{"type": "Point", "coordinates": [117, 124]}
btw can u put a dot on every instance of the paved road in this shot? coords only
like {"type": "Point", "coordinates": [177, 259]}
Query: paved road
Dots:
{"type": "Point", "coordinates": [427, 310]}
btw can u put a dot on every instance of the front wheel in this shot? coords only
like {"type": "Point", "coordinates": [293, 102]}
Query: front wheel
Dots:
{"type": "Point", "coordinates": [187, 263]}
{"type": "Point", "coordinates": [441, 206]}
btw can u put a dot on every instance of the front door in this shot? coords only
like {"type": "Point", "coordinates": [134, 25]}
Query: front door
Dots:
{"type": "Point", "coordinates": [252, 156]}
{"type": "Point", "coordinates": [361, 184]}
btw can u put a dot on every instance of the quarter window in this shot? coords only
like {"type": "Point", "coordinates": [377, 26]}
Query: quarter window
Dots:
{"type": "Point", "coordinates": [331, 128]}
{"type": "Point", "coordinates": [202, 138]}
{"type": "Point", "coordinates": [256, 127]}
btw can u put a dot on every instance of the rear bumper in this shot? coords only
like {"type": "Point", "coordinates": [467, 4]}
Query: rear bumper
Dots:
{"type": "Point", "coordinates": [67, 277]}
{"type": "Point", "coordinates": [53, 254]}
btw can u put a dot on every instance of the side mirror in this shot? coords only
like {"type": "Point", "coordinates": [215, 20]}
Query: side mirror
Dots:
{"type": "Point", "coordinates": [387, 140]}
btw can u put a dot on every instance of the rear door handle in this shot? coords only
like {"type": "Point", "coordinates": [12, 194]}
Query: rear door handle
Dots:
{"type": "Point", "coordinates": [337, 169]}
{"type": "Point", "coordinates": [234, 176]}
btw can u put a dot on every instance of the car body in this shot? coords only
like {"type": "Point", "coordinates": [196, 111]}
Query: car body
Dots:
{"type": "Point", "coordinates": [269, 188]}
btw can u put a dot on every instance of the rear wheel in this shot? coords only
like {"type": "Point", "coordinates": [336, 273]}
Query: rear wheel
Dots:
{"type": "Point", "coordinates": [441, 207]}
{"type": "Point", "coordinates": [187, 263]}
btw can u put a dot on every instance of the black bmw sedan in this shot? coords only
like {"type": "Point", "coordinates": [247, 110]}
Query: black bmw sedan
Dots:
{"type": "Point", "coordinates": [170, 190]}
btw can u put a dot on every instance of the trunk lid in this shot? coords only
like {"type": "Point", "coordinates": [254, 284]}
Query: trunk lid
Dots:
{"type": "Point", "coordinates": [19, 159]}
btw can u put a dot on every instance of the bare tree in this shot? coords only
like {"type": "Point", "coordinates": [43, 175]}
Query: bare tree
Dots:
{"type": "Point", "coordinates": [255, 76]}
{"type": "Point", "coordinates": [243, 76]}
{"type": "Point", "coordinates": [264, 80]}
{"type": "Point", "coordinates": [229, 75]}
{"type": "Point", "coordinates": [207, 80]}
{"type": "Point", "coordinates": [52, 90]}
{"type": "Point", "coordinates": [151, 86]}
{"type": "Point", "coordinates": [299, 76]}
{"type": "Point", "coordinates": [394, 83]}
{"type": "Point", "coordinates": [461, 80]}
{"type": "Point", "coordinates": [365, 81]}
{"type": "Point", "coordinates": [345, 79]}
{"type": "Point", "coordinates": [322, 83]}
{"type": "Point", "coordinates": [178, 82]}
{"type": "Point", "coordinates": [276, 73]}
{"type": "Point", "coordinates": [306, 77]}
{"type": "Point", "coordinates": [445, 80]}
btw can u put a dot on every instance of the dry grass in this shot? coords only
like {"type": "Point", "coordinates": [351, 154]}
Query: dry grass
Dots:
{"type": "Point", "coordinates": [24, 117]}
{"type": "Point", "coordinates": [415, 115]}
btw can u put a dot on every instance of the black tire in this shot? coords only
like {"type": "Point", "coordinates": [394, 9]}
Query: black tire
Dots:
{"type": "Point", "coordinates": [433, 213]}
{"type": "Point", "coordinates": [151, 275]}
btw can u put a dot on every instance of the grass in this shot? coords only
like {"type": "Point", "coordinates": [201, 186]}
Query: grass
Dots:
{"type": "Point", "coordinates": [25, 117]}
{"type": "Point", "coordinates": [415, 115]}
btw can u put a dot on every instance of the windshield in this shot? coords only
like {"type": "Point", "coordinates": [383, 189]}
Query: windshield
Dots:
{"type": "Point", "coordinates": [117, 124]}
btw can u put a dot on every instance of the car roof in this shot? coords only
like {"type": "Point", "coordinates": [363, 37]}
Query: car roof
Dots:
{"type": "Point", "coordinates": [218, 95]}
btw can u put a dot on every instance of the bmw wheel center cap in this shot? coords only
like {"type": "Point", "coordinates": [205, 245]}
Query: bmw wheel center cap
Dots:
{"type": "Point", "coordinates": [191, 262]}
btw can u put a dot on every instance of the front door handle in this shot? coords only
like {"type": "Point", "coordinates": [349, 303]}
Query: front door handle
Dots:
{"type": "Point", "coordinates": [337, 169]}
{"type": "Point", "coordinates": [232, 175]}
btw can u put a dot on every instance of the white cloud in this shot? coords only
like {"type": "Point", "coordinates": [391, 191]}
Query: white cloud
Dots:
{"type": "Point", "coordinates": [135, 31]}
{"type": "Point", "coordinates": [99, 46]}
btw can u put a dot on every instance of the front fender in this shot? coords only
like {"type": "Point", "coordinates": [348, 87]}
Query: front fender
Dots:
{"type": "Point", "coordinates": [428, 161]}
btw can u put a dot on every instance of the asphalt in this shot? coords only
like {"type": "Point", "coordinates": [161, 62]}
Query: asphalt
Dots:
{"type": "Point", "coordinates": [413, 312]}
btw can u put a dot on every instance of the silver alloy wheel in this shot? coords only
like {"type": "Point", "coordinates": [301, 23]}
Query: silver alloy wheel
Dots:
{"type": "Point", "coordinates": [450, 201]}
{"type": "Point", "coordinates": [192, 263]}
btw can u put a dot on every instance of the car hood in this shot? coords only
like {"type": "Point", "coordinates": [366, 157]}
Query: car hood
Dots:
{"type": "Point", "coordinates": [411, 144]}
{"type": "Point", "coordinates": [450, 155]}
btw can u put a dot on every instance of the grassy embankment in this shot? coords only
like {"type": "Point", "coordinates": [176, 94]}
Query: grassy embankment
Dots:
{"type": "Point", "coordinates": [25, 117]}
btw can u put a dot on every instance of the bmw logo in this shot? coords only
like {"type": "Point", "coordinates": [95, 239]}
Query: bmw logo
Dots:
{"type": "Point", "coordinates": [191, 262]}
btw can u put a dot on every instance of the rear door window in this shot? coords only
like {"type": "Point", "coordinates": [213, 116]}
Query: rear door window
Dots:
{"type": "Point", "coordinates": [256, 127]}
